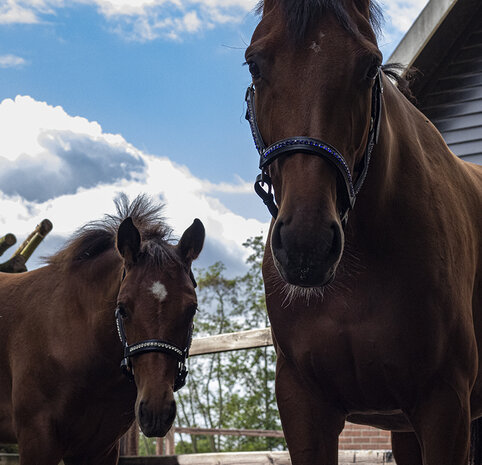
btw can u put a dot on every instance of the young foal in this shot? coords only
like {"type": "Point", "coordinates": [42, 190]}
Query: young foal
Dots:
{"type": "Point", "coordinates": [62, 392]}
{"type": "Point", "coordinates": [395, 340]}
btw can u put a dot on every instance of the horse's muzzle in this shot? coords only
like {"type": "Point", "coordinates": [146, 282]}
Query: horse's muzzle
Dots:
{"type": "Point", "coordinates": [156, 422]}
{"type": "Point", "coordinates": [304, 259]}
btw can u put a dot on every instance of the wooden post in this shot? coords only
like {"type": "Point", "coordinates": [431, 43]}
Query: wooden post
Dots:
{"type": "Point", "coordinates": [170, 448]}
{"type": "Point", "coordinates": [34, 239]}
{"type": "Point", "coordinates": [7, 241]}
{"type": "Point", "coordinates": [129, 443]}
{"type": "Point", "coordinates": [166, 445]}
{"type": "Point", "coordinates": [16, 264]}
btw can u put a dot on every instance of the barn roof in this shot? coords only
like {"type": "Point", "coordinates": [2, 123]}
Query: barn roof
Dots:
{"type": "Point", "coordinates": [445, 45]}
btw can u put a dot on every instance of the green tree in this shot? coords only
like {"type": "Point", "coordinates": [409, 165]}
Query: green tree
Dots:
{"type": "Point", "coordinates": [234, 389]}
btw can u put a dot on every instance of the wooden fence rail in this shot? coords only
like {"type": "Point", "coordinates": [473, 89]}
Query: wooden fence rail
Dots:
{"type": "Point", "coordinates": [239, 458]}
{"type": "Point", "coordinates": [231, 341]}
{"type": "Point", "coordinates": [270, 433]}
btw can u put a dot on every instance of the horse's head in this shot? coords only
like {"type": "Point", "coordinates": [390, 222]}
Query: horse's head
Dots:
{"type": "Point", "coordinates": [314, 66]}
{"type": "Point", "coordinates": [156, 307]}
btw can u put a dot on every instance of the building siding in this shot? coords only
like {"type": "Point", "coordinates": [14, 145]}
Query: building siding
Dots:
{"type": "Point", "coordinates": [454, 100]}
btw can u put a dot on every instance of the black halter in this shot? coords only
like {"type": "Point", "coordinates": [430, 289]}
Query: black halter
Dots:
{"type": "Point", "coordinates": [314, 147]}
{"type": "Point", "coordinates": [152, 345]}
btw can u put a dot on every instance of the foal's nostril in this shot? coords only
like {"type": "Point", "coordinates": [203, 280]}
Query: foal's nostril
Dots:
{"type": "Point", "coordinates": [172, 413]}
{"type": "Point", "coordinates": [142, 411]}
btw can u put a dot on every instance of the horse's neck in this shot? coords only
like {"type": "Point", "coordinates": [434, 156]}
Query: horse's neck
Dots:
{"type": "Point", "coordinates": [408, 156]}
{"type": "Point", "coordinates": [405, 184]}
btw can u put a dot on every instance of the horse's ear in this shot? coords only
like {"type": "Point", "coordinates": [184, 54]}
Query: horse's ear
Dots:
{"type": "Point", "coordinates": [191, 243]}
{"type": "Point", "coordinates": [128, 241]}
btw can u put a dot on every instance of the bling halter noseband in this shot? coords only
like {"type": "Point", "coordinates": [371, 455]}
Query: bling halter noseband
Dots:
{"type": "Point", "coordinates": [153, 345]}
{"type": "Point", "coordinates": [316, 147]}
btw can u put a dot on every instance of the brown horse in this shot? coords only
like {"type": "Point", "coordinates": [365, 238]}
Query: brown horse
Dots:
{"type": "Point", "coordinates": [62, 392]}
{"type": "Point", "coordinates": [376, 308]}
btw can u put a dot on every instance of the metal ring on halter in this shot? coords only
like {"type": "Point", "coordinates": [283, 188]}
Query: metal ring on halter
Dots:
{"type": "Point", "coordinates": [315, 147]}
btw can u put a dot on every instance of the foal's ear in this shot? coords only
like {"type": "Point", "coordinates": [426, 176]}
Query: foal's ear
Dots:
{"type": "Point", "coordinates": [128, 241]}
{"type": "Point", "coordinates": [191, 243]}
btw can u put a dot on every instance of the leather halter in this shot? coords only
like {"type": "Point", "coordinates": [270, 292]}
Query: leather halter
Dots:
{"type": "Point", "coordinates": [316, 147]}
{"type": "Point", "coordinates": [152, 345]}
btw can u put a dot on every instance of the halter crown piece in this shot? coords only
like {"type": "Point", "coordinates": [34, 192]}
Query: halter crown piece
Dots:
{"type": "Point", "coordinates": [152, 345]}
{"type": "Point", "coordinates": [314, 147]}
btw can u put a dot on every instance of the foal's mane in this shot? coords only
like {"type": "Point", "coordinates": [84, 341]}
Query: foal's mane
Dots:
{"type": "Point", "coordinates": [96, 237]}
{"type": "Point", "coordinates": [300, 14]}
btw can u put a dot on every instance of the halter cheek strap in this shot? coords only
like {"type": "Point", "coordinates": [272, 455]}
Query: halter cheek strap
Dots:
{"type": "Point", "coordinates": [302, 144]}
{"type": "Point", "coordinates": [152, 345]}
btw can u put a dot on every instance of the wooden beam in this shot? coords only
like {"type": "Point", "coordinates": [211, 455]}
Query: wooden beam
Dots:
{"type": "Point", "coordinates": [231, 341]}
{"type": "Point", "coordinates": [256, 458]}
{"type": "Point", "coordinates": [230, 432]}
{"type": "Point", "coordinates": [227, 458]}
{"type": "Point", "coordinates": [237, 458]}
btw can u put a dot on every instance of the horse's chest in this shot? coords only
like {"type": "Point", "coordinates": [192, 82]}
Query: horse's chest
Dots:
{"type": "Point", "coordinates": [364, 365]}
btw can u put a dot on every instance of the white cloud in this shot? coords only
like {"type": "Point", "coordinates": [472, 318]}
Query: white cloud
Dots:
{"type": "Point", "coordinates": [139, 19]}
{"type": "Point", "coordinates": [11, 61]}
{"type": "Point", "coordinates": [402, 13]}
{"type": "Point", "coordinates": [54, 153]}
{"type": "Point", "coordinates": [67, 169]}
{"type": "Point", "coordinates": [150, 19]}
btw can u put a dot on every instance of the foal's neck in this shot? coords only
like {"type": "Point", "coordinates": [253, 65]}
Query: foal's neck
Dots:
{"type": "Point", "coordinates": [97, 284]}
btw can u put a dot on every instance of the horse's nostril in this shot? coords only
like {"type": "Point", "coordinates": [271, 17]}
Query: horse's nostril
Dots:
{"type": "Point", "coordinates": [336, 242]}
{"type": "Point", "coordinates": [276, 241]}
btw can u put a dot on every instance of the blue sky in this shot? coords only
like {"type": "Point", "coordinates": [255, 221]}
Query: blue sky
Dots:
{"type": "Point", "coordinates": [98, 97]}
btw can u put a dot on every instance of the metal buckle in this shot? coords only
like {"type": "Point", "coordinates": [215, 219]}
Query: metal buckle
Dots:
{"type": "Point", "coordinates": [266, 195]}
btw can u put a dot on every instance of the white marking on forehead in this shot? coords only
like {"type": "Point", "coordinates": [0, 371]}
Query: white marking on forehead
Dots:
{"type": "Point", "coordinates": [159, 291]}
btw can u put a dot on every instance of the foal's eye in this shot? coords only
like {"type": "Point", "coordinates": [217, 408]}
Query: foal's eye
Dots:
{"type": "Point", "coordinates": [122, 309]}
{"type": "Point", "coordinates": [193, 309]}
{"type": "Point", "coordinates": [254, 69]}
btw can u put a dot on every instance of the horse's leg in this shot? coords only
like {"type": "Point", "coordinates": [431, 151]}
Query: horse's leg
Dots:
{"type": "Point", "coordinates": [37, 444]}
{"type": "Point", "coordinates": [406, 449]}
{"type": "Point", "coordinates": [442, 423]}
{"type": "Point", "coordinates": [311, 425]}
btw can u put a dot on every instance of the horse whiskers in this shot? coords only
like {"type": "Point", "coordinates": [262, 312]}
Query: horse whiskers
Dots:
{"type": "Point", "coordinates": [304, 293]}
{"type": "Point", "coordinates": [290, 291]}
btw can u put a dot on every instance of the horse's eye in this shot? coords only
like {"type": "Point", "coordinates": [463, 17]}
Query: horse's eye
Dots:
{"type": "Point", "coordinates": [374, 69]}
{"type": "Point", "coordinates": [254, 70]}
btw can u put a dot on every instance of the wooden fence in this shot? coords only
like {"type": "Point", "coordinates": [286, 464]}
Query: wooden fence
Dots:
{"type": "Point", "coordinates": [240, 458]}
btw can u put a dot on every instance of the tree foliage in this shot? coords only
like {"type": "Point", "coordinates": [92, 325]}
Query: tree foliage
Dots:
{"type": "Point", "coordinates": [234, 389]}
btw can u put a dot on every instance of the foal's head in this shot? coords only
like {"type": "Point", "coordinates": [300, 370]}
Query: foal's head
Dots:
{"type": "Point", "coordinates": [313, 64]}
{"type": "Point", "coordinates": [155, 309]}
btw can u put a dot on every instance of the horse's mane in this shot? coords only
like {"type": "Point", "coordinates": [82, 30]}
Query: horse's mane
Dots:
{"type": "Point", "coordinates": [395, 71]}
{"type": "Point", "coordinates": [300, 14]}
{"type": "Point", "coordinates": [96, 237]}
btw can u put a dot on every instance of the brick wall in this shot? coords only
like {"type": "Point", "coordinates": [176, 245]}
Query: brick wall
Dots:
{"type": "Point", "coordinates": [361, 437]}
